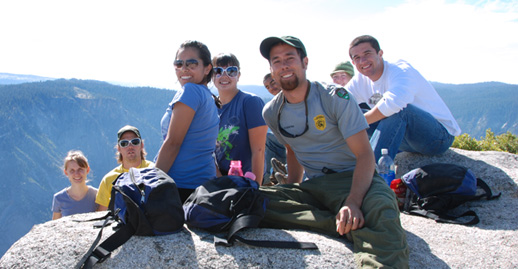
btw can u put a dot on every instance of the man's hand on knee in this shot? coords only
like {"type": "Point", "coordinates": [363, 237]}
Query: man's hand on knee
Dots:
{"type": "Point", "coordinates": [349, 218]}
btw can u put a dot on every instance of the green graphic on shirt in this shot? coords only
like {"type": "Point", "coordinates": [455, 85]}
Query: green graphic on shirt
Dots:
{"type": "Point", "coordinates": [223, 142]}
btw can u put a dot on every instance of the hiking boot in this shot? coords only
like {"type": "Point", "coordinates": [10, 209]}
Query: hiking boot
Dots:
{"type": "Point", "coordinates": [278, 166]}
{"type": "Point", "coordinates": [281, 178]}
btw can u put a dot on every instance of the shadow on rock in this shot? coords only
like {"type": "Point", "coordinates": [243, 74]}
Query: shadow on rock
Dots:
{"type": "Point", "coordinates": [420, 254]}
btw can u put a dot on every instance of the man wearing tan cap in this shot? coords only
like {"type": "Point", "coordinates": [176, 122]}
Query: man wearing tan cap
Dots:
{"type": "Point", "coordinates": [130, 153]}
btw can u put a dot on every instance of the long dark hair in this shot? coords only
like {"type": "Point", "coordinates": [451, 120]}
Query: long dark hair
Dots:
{"type": "Point", "coordinates": [203, 53]}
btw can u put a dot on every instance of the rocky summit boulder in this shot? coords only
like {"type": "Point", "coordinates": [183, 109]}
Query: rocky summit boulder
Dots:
{"type": "Point", "coordinates": [62, 243]}
{"type": "Point", "coordinates": [493, 243]}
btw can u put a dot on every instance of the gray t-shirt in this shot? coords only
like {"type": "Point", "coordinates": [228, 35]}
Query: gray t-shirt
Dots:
{"type": "Point", "coordinates": [333, 116]}
{"type": "Point", "coordinates": [64, 204]}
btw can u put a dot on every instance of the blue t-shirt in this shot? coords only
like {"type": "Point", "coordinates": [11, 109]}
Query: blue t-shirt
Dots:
{"type": "Point", "coordinates": [194, 164]}
{"type": "Point", "coordinates": [64, 204]}
{"type": "Point", "coordinates": [244, 112]}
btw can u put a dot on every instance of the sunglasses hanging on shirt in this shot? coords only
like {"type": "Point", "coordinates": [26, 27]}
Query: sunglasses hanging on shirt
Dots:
{"type": "Point", "coordinates": [217, 101]}
{"type": "Point", "coordinates": [284, 132]}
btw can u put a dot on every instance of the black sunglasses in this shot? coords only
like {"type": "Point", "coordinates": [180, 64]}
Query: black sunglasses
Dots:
{"type": "Point", "coordinates": [125, 143]}
{"type": "Point", "coordinates": [191, 63]}
{"type": "Point", "coordinates": [284, 132]}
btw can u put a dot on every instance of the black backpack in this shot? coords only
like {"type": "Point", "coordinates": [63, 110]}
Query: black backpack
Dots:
{"type": "Point", "coordinates": [145, 202]}
{"type": "Point", "coordinates": [229, 204]}
{"type": "Point", "coordinates": [433, 190]}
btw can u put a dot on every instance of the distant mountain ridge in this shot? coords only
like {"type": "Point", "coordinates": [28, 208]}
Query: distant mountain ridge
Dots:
{"type": "Point", "coordinates": [474, 106]}
{"type": "Point", "coordinates": [481, 106]}
{"type": "Point", "coordinates": [6, 78]}
{"type": "Point", "coordinates": [41, 121]}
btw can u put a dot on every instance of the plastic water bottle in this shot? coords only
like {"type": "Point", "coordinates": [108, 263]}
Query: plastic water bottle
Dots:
{"type": "Point", "coordinates": [235, 168]}
{"type": "Point", "coordinates": [386, 168]}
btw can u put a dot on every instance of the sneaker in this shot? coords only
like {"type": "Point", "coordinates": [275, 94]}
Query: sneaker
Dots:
{"type": "Point", "coordinates": [269, 184]}
{"type": "Point", "coordinates": [281, 178]}
{"type": "Point", "coordinates": [278, 166]}
{"type": "Point", "coordinates": [269, 180]}
{"type": "Point", "coordinates": [273, 181]}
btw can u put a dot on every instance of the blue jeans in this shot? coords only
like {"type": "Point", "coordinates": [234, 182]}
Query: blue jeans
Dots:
{"type": "Point", "coordinates": [412, 130]}
{"type": "Point", "coordinates": [273, 149]}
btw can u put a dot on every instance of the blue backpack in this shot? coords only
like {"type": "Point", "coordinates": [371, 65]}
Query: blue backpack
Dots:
{"type": "Point", "coordinates": [147, 200]}
{"type": "Point", "coordinates": [435, 189]}
{"type": "Point", "coordinates": [229, 204]}
{"type": "Point", "coordinates": [144, 202]}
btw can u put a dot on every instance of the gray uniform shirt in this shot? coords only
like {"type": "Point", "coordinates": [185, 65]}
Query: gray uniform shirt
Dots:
{"type": "Point", "coordinates": [333, 116]}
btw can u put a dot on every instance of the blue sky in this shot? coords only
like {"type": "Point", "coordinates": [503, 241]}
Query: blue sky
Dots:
{"type": "Point", "coordinates": [135, 42]}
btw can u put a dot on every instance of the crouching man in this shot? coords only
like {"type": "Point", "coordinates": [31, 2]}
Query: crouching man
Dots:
{"type": "Point", "coordinates": [324, 132]}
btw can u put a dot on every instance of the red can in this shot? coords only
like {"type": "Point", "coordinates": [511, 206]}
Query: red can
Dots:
{"type": "Point", "coordinates": [399, 189]}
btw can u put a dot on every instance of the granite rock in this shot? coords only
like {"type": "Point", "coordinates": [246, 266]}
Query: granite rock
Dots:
{"type": "Point", "coordinates": [493, 243]}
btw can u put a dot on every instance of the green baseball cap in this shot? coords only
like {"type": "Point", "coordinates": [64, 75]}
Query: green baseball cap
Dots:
{"type": "Point", "coordinates": [128, 128]}
{"type": "Point", "coordinates": [268, 43]}
{"type": "Point", "coordinates": [346, 67]}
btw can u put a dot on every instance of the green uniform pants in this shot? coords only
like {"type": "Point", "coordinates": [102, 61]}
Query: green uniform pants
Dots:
{"type": "Point", "coordinates": [313, 205]}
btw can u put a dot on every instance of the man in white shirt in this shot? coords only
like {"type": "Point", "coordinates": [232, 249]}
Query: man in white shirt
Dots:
{"type": "Point", "coordinates": [406, 112]}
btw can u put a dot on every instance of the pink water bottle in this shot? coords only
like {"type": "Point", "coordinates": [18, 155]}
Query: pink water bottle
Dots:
{"type": "Point", "coordinates": [235, 168]}
{"type": "Point", "coordinates": [250, 175]}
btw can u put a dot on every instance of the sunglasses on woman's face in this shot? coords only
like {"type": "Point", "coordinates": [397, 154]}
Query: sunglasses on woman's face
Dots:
{"type": "Point", "coordinates": [231, 71]}
{"type": "Point", "coordinates": [191, 63]}
{"type": "Point", "coordinates": [125, 143]}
